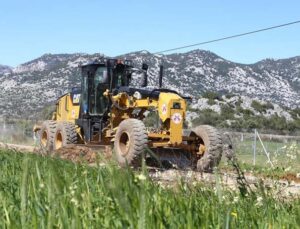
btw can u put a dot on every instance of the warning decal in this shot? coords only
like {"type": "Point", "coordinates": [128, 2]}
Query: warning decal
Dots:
{"type": "Point", "coordinates": [176, 118]}
{"type": "Point", "coordinates": [164, 109]}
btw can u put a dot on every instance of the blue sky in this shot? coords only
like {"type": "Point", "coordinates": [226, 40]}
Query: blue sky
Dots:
{"type": "Point", "coordinates": [32, 28]}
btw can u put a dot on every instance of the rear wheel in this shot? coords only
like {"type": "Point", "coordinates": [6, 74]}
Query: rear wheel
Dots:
{"type": "Point", "coordinates": [209, 144]}
{"type": "Point", "coordinates": [47, 133]}
{"type": "Point", "coordinates": [65, 134]}
{"type": "Point", "coordinates": [130, 142]}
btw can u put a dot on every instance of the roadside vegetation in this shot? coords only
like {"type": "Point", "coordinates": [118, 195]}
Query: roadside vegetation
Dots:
{"type": "Point", "coordinates": [40, 192]}
{"type": "Point", "coordinates": [16, 131]}
{"type": "Point", "coordinates": [237, 118]}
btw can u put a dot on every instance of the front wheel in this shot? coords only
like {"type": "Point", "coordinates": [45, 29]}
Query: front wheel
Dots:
{"type": "Point", "coordinates": [130, 142]}
{"type": "Point", "coordinates": [209, 143]}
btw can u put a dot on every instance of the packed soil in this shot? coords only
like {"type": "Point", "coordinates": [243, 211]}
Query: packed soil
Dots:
{"type": "Point", "coordinates": [77, 154]}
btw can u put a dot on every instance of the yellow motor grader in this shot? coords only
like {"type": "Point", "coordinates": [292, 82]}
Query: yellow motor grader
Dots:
{"type": "Point", "coordinates": [109, 110]}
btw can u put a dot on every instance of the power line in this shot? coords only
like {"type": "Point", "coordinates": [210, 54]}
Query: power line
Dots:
{"type": "Point", "coordinates": [229, 37]}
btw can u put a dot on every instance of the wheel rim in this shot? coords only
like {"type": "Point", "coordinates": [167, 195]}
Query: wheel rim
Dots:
{"type": "Point", "coordinates": [58, 141]}
{"type": "Point", "coordinates": [44, 138]}
{"type": "Point", "coordinates": [200, 145]}
{"type": "Point", "coordinates": [124, 143]}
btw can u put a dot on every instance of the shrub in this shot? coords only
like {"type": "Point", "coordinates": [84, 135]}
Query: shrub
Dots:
{"type": "Point", "coordinates": [295, 113]}
{"type": "Point", "coordinates": [212, 95]}
{"type": "Point", "coordinates": [227, 112]}
{"type": "Point", "coordinates": [238, 103]}
{"type": "Point", "coordinates": [208, 117]}
{"type": "Point", "coordinates": [260, 107]}
{"type": "Point", "coordinates": [211, 102]}
{"type": "Point", "coordinates": [246, 112]}
{"type": "Point", "coordinates": [229, 96]}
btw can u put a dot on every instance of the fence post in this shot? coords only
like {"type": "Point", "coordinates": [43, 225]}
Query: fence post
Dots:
{"type": "Point", "coordinates": [265, 150]}
{"type": "Point", "coordinates": [254, 148]}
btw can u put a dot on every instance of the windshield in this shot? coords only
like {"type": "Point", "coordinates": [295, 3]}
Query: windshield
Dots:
{"type": "Point", "coordinates": [100, 75]}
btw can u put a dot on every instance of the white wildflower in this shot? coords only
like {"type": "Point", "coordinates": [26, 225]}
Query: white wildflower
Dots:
{"type": "Point", "coordinates": [259, 200]}
{"type": "Point", "coordinates": [287, 169]}
{"type": "Point", "coordinates": [75, 201]}
{"type": "Point", "coordinates": [235, 199]}
{"type": "Point", "coordinates": [141, 177]}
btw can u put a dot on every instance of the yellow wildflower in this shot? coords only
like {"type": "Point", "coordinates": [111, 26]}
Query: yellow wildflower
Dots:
{"type": "Point", "coordinates": [234, 214]}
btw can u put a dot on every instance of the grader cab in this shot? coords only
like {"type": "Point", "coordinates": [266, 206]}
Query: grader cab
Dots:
{"type": "Point", "coordinates": [109, 109]}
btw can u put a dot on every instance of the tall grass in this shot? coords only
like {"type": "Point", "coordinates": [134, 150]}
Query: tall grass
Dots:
{"type": "Point", "coordinates": [43, 192]}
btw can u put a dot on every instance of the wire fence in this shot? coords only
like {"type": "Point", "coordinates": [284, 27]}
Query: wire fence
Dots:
{"type": "Point", "coordinates": [13, 133]}
{"type": "Point", "coordinates": [267, 150]}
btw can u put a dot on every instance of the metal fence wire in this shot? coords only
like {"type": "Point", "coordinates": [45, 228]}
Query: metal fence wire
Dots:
{"type": "Point", "coordinates": [257, 149]}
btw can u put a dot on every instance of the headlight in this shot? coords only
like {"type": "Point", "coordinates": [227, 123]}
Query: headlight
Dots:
{"type": "Point", "coordinates": [137, 95]}
{"type": "Point", "coordinates": [176, 105]}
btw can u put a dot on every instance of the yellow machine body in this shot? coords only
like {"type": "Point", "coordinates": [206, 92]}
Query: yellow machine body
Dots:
{"type": "Point", "coordinates": [171, 109]}
{"type": "Point", "coordinates": [66, 109]}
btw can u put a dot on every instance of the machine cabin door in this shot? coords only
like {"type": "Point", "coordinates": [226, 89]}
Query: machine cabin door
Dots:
{"type": "Point", "coordinates": [94, 83]}
{"type": "Point", "coordinates": [121, 77]}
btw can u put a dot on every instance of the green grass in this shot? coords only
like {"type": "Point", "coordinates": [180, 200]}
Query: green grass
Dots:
{"type": "Point", "coordinates": [43, 192]}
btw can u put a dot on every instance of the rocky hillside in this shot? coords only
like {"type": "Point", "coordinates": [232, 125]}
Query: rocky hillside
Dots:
{"type": "Point", "coordinates": [30, 86]}
{"type": "Point", "coordinates": [241, 105]}
{"type": "Point", "coordinates": [5, 70]}
{"type": "Point", "coordinates": [242, 112]}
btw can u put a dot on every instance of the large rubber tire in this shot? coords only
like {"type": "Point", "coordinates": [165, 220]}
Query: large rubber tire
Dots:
{"type": "Point", "coordinates": [47, 133]}
{"type": "Point", "coordinates": [130, 142]}
{"type": "Point", "coordinates": [65, 135]}
{"type": "Point", "coordinates": [212, 140]}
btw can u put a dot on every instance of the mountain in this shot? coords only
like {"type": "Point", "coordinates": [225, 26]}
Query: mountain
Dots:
{"type": "Point", "coordinates": [27, 88]}
{"type": "Point", "coordinates": [5, 70]}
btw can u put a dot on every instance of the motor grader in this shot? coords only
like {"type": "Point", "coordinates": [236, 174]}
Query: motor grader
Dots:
{"type": "Point", "coordinates": [109, 110]}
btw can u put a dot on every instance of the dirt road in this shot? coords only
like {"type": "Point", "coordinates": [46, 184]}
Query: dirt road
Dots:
{"type": "Point", "coordinates": [21, 148]}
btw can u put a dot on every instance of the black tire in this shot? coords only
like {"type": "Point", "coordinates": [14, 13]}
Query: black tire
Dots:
{"type": "Point", "coordinates": [212, 140]}
{"type": "Point", "coordinates": [46, 135]}
{"type": "Point", "coordinates": [65, 135]}
{"type": "Point", "coordinates": [130, 142]}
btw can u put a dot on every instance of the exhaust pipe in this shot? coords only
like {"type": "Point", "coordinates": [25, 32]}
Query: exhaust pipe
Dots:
{"type": "Point", "coordinates": [145, 75]}
{"type": "Point", "coordinates": [161, 73]}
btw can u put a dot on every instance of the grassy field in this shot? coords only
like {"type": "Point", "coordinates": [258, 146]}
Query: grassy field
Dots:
{"type": "Point", "coordinates": [43, 192]}
{"type": "Point", "coordinates": [284, 156]}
